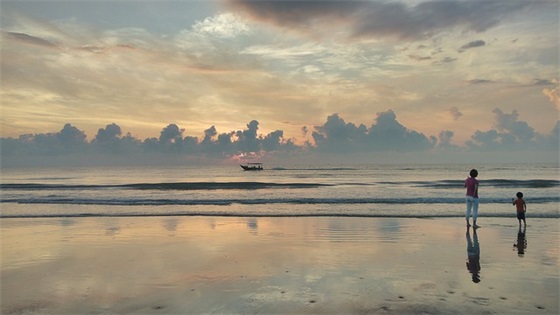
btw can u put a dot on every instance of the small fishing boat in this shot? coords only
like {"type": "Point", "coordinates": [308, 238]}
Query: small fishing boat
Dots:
{"type": "Point", "coordinates": [252, 166]}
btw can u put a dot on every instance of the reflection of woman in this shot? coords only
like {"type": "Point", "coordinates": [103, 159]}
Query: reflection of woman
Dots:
{"type": "Point", "coordinates": [473, 253]}
{"type": "Point", "coordinates": [521, 242]}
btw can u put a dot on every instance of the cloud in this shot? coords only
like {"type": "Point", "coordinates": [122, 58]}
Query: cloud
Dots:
{"type": "Point", "coordinates": [544, 82]}
{"type": "Point", "coordinates": [71, 137]}
{"type": "Point", "coordinates": [445, 60]}
{"type": "Point", "coordinates": [109, 133]}
{"type": "Point", "coordinates": [479, 81]}
{"type": "Point", "coordinates": [386, 134]}
{"type": "Point", "coordinates": [68, 140]}
{"type": "Point", "coordinates": [171, 134]}
{"type": "Point", "coordinates": [553, 94]}
{"type": "Point", "coordinates": [209, 134]}
{"type": "Point", "coordinates": [226, 25]}
{"type": "Point", "coordinates": [419, 58]}
{"type": "Point", "coordinates": [455, 113]}
{"type": "Point", "coordinates": [110, 140]}
{"type": "Point", "coordinates": [336, 136]}
{"type": "Point", "coordinates": [376, 19]}
{"type": "Point", "coordinates": [445, 138]}
{"type": "Point", "coordinates": [473, 44]}
{"type": "Point", "coordinates": [512, 134]}
{"type": "Point", "coordinates": [28, 39]}
{"type": "Point", "coordinates": [509, 123]}
{"type": "Point", "coordinates": [247, 139]}
{"type": "Point", "coordinates": [272, 141]}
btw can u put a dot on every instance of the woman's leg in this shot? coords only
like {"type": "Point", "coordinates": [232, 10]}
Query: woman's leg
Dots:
{"type": "Point", "coordinates": [469, 207]}
{"type": "Point", "coordinates": [475, 210]}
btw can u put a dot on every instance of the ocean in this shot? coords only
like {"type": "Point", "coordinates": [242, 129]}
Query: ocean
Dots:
{"type": "Point", "coordinates": [424, 191]}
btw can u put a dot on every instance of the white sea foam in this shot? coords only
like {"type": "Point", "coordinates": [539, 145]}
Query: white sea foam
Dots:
{"type": "Point", "coordinates": [370, 190]}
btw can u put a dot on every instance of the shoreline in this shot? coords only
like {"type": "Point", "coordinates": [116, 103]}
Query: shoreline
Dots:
{"type": "Point", "coordinates": [408, 211]}
{"type": "Point", "coordinates": [285, 264]}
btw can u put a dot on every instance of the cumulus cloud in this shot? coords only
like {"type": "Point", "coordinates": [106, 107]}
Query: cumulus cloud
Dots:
{"type": "Point", "coordinates": [209, 134]}
{"type": "Point", "coordinates": [337, 135]}
{"type": "Point", "coordinates": [110, 140]}
{"type": "Point", "coordinates": [509, 123]}
{"type": "Point", "coordinates": [109, 133]}
{"type": "Point", "coordinates": [509, 133]}
{"type": "Point", "coordinates": [71, 136]}
{"type": "Point", "coordinates": [386, 134]}
{"type": "Point", "coordinates": [374, 19]}
{"type": "Point", "coordinates": [68, 140]}
{"type": "Point", "coordinates": [445, 137]}
{"type": "Point", "coordinates": [212, 145]}
{"type": "Point", "coordinates": [247, 138]}
{"type": "Point", "coordinates": [271, 141]}
{"type": "Point", "coordinates": [171, 134]}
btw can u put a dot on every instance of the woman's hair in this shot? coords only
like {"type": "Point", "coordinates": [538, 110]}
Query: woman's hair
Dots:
{"type": "Point", "coordinates": [473, 173]}
{"type": "Point", "coordinates": [519, 195]}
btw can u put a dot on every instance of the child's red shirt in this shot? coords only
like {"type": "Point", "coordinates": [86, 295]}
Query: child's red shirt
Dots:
{"type": "Point", "coordinates": [519, 202]}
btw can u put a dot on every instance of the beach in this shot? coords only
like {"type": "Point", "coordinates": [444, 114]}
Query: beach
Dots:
{"type": "Point", "coordinates": [277, 265]}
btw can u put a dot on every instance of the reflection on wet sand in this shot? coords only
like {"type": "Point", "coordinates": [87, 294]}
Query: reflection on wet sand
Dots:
{"type": "Point", "coordinates": [521, 242]}
{"type": "Point", "coordinates": [292, 265]}
{"type": "Point", "coordinates": [473, 255]}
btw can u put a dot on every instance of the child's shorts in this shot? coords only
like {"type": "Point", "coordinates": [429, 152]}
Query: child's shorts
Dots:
{"type": "Point", "coordinates": [520, 215]}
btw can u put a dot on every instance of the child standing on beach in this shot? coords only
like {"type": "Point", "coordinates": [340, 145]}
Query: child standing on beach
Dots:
{"type": "Point", "coordinates": [471, 184]}
{"type": "Point", "coordinates": [521, 207]}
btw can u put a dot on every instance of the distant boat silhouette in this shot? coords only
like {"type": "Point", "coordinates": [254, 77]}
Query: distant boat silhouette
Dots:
{"type": "Point", "coordinates": [252, 166]}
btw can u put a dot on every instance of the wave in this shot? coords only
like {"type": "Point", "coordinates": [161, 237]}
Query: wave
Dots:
{"type": "Point", "coordinates": [164, 186]}
{"type": "Point", "coordinates": [315, 169]}
{"type": "Point", "coordinates": [499, 183]}
{"type": "Point", "coordinates": [444, 184]}
{"type": "Point", "coordinates": [276, 214]}
{"type": "Point", "coordinates": [261, 201]}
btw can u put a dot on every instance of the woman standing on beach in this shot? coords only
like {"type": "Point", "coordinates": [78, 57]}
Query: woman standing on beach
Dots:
{"type": "Point", "coordinates": [471, 184]}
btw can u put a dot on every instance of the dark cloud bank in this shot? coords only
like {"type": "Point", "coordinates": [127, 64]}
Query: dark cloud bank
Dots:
{"type": "Point", "coordinates": [369, 19]}
{"type": "Point", "coordinates": [386, 140]}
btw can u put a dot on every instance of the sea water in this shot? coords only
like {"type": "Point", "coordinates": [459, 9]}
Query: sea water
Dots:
{"type": "Point", "coordinates": [278, 190]}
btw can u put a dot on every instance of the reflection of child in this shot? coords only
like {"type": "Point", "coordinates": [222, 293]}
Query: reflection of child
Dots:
{"type": "Point", "coordinates": [521, 207]}
{"type": "Point", "coordinates": [521, 244]}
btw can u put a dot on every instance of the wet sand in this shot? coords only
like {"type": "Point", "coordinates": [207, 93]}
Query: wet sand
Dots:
{"type": "Point", "coordinates": [301, 265]}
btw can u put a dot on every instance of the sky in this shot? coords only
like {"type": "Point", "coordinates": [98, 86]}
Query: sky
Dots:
{"type": "Point", "coordinates": [238, 77]}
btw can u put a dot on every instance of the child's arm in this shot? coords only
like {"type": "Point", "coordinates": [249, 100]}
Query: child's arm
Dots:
{"type": "Point", "coordinates": [524, 207]}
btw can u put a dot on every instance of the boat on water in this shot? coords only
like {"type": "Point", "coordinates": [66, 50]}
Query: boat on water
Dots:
{"type": "Point", "coordinates": [252, 166]}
